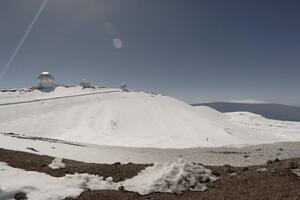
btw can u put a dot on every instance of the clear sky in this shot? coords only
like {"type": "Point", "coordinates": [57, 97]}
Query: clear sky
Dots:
{"type": "Point", "coordinates": [195, 50]}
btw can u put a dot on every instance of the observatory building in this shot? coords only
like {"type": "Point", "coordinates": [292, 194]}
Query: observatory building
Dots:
{"type": "Point", "coordinates": [46, 83]}
{"type": "Point", "coordinates": [84, 84]}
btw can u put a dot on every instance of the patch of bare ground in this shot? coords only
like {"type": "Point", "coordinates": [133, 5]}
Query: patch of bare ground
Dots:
{"type": "Point", "coordinates": [39, 163]}
{"type": "Point", "coordinates": [273, 181]}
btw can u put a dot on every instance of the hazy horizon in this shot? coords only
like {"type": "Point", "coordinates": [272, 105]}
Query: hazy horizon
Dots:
{"type": "Point", "coordinates": [197, 51]}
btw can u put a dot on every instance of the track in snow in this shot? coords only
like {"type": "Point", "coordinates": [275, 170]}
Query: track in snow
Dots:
{"type": "Point", "coordinates": [55, 98]}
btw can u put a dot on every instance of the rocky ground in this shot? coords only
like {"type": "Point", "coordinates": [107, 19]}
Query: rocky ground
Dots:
{"type": "Point", "coordinates": [33, 162]}
{"type": "Point", "coordinates": [274, 180]}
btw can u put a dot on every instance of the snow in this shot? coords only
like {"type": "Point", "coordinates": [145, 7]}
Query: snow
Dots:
{"type": "Point", "coordinates": [33, 95]}
{"type": "Point", "coordinates": [36, 185]}
{"type": "Point", "coordinates": [106, 116]}
{"type": "Point", "coordinates": [57, 164]}
{"type": "Point", "coordinates": [169, 177]}
{"type": "Point", "coordinates": [109, 125]}
{"type": "Point", "coordinates": [296, 171]}
{"type": "Point", "coordinates": [288, 131]}
{"type": "Point", "coordinates": [174, 177]}
{"type": "Point", "coordinates": [109, 154]}
{"type": "Point", "coordinates": [248, 101]}
{"type": "Point", "coordinates": [262, 169]}
{"type": "Point", "coordinates": [134, 119]}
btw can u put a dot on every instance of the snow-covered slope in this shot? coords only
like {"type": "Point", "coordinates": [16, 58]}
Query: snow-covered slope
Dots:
{"type": "Point", "coordinates": [268, 110]}
{"type": "Point", "coordinates": [117, 118]}
{"type": "Point", "coordinates": [273, 127]}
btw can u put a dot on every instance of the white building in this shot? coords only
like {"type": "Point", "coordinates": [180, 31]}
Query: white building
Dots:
{"type": "Point", "coordinates": [124, 87]}
{"type": "Point", "coordinates": [46, 83]}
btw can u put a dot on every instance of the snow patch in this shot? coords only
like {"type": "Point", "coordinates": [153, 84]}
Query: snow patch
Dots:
{"type": "Point", "coordinates": [262, 169]}
{"type": "Point", "coordinates": [175, 177]}
{"type": "Point", "coordinates": [37, 185]}
{"type": "Point", "coordinates": [57, 164]}
{"type": "Point", "coordinates": [297, 172]}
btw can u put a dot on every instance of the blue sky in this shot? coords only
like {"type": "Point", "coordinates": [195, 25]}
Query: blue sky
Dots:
{"type": "Point", "coordinates": [195, 50]}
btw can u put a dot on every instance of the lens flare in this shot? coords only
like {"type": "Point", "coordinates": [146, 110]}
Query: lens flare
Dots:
{"type": "Point", "coordinates": [118, 44]}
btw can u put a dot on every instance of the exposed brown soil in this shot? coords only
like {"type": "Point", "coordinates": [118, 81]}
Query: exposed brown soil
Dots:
{"type": "Point", "coordinates": [277, 183]}
{"type": "Point", "coordinates": [34, 162]}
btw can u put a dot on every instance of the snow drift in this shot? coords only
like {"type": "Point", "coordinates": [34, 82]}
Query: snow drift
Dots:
{"type": "Point", "coordinates": [57, 163]}
{"type": "Point", "coordinates": [117, 118]}
{"type": "Point", "coordinates": [173, 177]}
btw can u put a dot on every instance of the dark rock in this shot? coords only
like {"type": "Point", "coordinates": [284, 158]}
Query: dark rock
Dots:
{"type": "Point", "coordinates": [276, 160]}
{"type": "Point", "coordinates": [21, 196]}
{"type": "Point", "coordinates": [215, 173]}
{"type": "Point", "coordinates": [44, 165]}
{"type": "Point", "coordinates": [210, 185]}
{"type": "Point", "coordinates": [178, 192]}
{"type": "Point", "coordinates": [245, 169]}
{"type": "Point", "coordinates": [117, 164]}
{"type": "Point", "coordinates": [228, 170]}
{"type": "Point", "coordinates": [245, 180]}
{"type": "Point", "coordinates": [121, 188]}
{"type": "Point", "coordinates": [118, 179]}
{"type": "Point", "coordinates": [32, 149]}
{"type": "Point", "coordinates": [269, 162]}
{"type": "Point", "coordinates": [292, 165]}
{"type": "Point", "coordinates": [69, 198]}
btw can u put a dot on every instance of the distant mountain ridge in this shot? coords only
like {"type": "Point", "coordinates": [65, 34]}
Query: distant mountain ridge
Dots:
{"type": "Point", "coordinates": [268, 110]}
